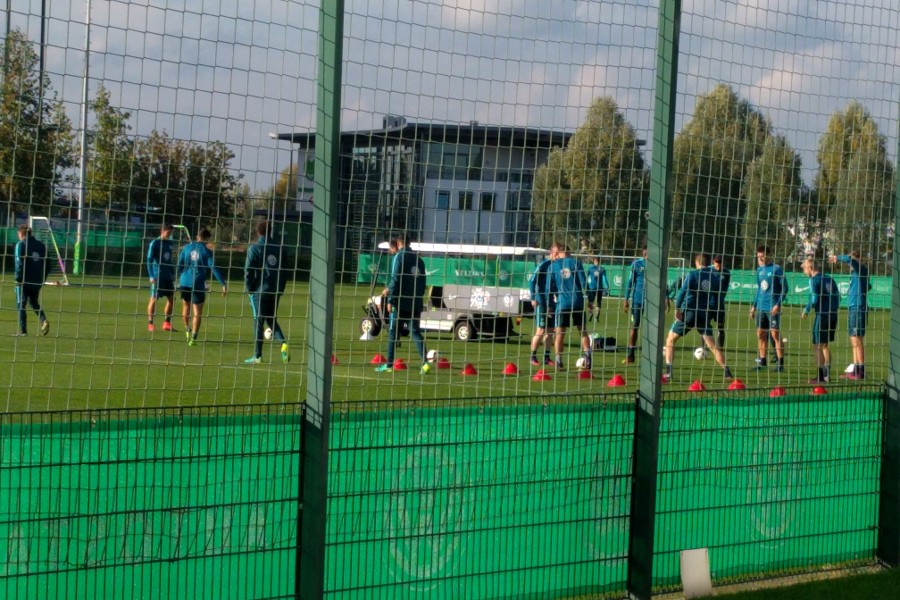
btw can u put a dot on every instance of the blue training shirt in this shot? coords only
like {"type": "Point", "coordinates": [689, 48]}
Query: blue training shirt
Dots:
{"type": "Point", "coordinates": [596, 279]}
{"type": "Point", "coordinates": [568, 281]}
{"type": "Point", "coordinates": [195, 265]}
{"type": "Point", "coordinates": [539, 284]}
{"type": "Point", "coordinates": [699, 290]}
{"type": "Point", "coordinates": [771, 287]}
{"type": "Point", "coordinates": [161, 260]}
{"type": "Point", "coordinates": [824, 295]}
{"type": "Point", "coordinates": [634, 289]}
{"type": "Point", "coordinates": [857, 296]}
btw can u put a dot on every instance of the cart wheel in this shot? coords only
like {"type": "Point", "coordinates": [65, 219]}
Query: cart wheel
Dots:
{"type": "Point", "coordinates": [370, 325]}
{"type": "Point", "coordinates": [465, 331]}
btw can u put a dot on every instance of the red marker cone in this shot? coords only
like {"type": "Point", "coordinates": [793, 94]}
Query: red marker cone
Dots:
{"type": "Point", "coordinates": [777, 392]}
{"type": "Point", "coordinates": [737, 384]}
{"type": "Point", "coordinates": [697, 386]}
{"type": "Point", "coordinates": [378, 359]}
{"type": "Point", "coordinates": [469, 369]}
{"type": "Point", "coordinates": [585, 375]}
{"type": "Point", "coordinates": [819, 391]}
{"type": "Point", "coordinates": [400, 365]}
{"type": "Point", "coordinates": [541, 375]}
{"type": "Point", "coordinates": [616, 381]}
{"type": "Point", "coordinates": [443, 363]}
{"type": "Point", "coordinates": [510, 369]}
{"type": "Point", "coordinates": [334, 359]}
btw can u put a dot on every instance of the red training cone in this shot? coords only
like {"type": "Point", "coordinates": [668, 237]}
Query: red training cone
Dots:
{"type": "Point", "coordinates": [585, 375]}
{"type": "Point", "coordinates": [400, 365]}
{"type": "Point", "coordinates": [378, 359]}
{"type": "Point", "coordinates": [443, 363]}
{"type": "Point", "coordinates": [541, 375]}
{"type": "Point", "coordinates": [334, 359]}
{"type": "Point", "coordinates": [469, 369]}
{"type": "Point", "coordinates": [616, 381]}
{"type": "Point", "coordinates": [737, 384]}
{"type": "Point", "coordinates": [510, 369]}
{"type": "Point", "coordinates": [697, 386]}
{"type": "Point", "coordinates": [819, 391]}
{"type": "Point", "coordinates": [777, 391]}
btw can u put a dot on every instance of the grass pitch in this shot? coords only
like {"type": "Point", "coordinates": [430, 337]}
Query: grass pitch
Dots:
{"type": "Point", "coordinates": [100, 355]}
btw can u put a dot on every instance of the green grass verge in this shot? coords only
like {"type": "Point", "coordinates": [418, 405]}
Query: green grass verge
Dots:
{"type": "Point", "coordinates": [877, 586]}
{"type": "Point", "coordinates": [99, 354]}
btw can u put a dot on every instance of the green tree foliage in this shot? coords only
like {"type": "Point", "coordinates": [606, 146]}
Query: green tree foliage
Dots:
{"type": "Point", "coordinates": [855, 184]}
{"type": "Point", "coordinates": [711, 158]}
{"type": "Point", "coordinates": [110, 158]}
{"type": "Point", "coordinates": [189, 182]}
{"type": "Point", "coordinates": [773, 190]}
{"type": "Point", "coordinates": [36, 141]}
{"type": "Point", "coordinates": [592, 194]}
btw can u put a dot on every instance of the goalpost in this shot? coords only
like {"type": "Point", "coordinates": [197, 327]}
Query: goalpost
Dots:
{"type": "Point", "coordinates": [42, 230]}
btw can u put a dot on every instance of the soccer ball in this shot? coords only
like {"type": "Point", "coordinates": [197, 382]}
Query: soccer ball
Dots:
{"type": "Point", "coordinates": [701, 353]}
{"type": "Point", "coordinates": [581, 363]}
{"type": "Point", "coordinates": [433, 356]}
{"type": "Point", "coordinates": [268, 333]}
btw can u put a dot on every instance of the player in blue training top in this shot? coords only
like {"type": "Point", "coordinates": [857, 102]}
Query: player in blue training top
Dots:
{"type": "Point", "coordinates": [404, 298]}
{"type": "Point", "coordinates": [772, 287]}
{"type": "Point", "coordinates": [161, 270]}
{"type": "Point", "coordinates": [544, 308]}
{"type": "Point", "coordinates": [31, 268]}
{"type": "Point", "coordinates": [195, 265]}
{"type": "Point", "coordinates": [718, 314]}
{"type": "Point", "coordinates": [568, 285]}
{"type": "Point", "coordinates": [597, 288]}
{"type": "Point", "coordinates": [634, 301]}
{"type": "Point", "coordinates": [858, 304]}
{"type": "Point", "coordinates": [265, 278]}
{"type": "Point", "coordinates": [693, 309]}
{"type": "Point", "coordinates": [825, 299]}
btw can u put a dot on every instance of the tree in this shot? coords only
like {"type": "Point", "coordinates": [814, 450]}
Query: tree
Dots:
{"type": "Point", "coordinates": [111, 162]}
{"type": "Point", "coordinates": [711, 158]}
{"type": "Point", "coordinates": [773, 190]}
{"type": "Point", "coordinates": [36, 141]}
{"type": "Point", "coordinates": [593, 193]}
{"type": "Point", "coordinates": [189, 182]}
{"type": "Point", "coordinates": [855, 184]}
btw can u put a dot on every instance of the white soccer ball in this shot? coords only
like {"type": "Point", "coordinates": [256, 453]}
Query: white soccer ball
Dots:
{"type": "Point", "coordinates": [581, 363]}
{"type": "Point", "coordinates": [433, 356]}
{"type": "Point", "coordinates": [701, 353]}
{"type": "Point", "coordinates": [268, 333]}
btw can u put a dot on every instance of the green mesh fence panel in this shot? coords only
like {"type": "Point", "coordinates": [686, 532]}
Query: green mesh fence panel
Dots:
{"type": "Point", "coordinates": [163, 504]}
{"type": "Point", "coordinates": [480, 502]}
{"type": "Point", "coordinates": [504, 497]}
{"type": "Point", "coordinates": [768, 484]}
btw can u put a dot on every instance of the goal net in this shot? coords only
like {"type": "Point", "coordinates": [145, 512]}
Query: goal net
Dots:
{"type": "Point", "coordinates": [43, 230]}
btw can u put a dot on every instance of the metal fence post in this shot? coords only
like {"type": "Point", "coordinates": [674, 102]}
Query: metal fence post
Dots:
{"type": "Point", "coordinates": [311, 556]}
{"type": "Point", "coordinates": [659, 226]}
{"type": "Point", "coordinates": [889, 503]}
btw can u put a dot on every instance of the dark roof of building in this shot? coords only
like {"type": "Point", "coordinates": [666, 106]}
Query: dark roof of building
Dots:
{"type": "Point", "coordinates": [469, 134]}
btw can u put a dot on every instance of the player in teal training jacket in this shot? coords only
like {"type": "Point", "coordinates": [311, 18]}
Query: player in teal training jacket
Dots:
{"type": "Point", "coordinates": [195, 266]}
{"type": "Point", "coordinates": [265, 278]}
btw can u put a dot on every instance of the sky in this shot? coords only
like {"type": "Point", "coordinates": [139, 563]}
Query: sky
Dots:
{"type": "Point", "coordinates": [234, 71]}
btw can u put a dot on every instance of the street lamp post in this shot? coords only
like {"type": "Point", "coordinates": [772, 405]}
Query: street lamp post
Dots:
{"type": "Point", "coordinates": [82, 174]}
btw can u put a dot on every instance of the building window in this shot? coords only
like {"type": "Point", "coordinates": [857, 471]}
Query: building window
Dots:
{"type": "Point", "coordinates": [487, 201]}
{"type": "Point", "coordinates": [443, 200]}
{"type": "Point", "coordinates": [466, 200]}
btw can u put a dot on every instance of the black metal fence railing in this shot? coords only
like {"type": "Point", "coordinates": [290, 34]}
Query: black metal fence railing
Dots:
{"type": "Point", "coordinates": [489, 498]}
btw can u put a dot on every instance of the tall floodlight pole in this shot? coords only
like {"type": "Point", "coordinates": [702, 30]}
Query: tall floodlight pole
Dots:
{"type": "Point", "coordinates": [82, 174]}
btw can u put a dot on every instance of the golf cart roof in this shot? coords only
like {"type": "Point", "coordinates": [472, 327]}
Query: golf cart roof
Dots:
{"type": "Point", "coordinates": [469, 249]}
